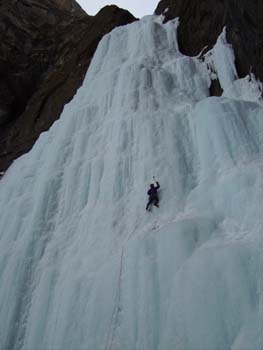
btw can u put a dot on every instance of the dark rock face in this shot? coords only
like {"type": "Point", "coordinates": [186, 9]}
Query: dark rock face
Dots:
{"type": "Point", "coordinates": [45, 49]}
{"type": "Point", "coordinates": [245, 33]}
{"type": "Point", "coordinates": [201, 21]}
{"type": "Point", "coordinates": [215, 88]}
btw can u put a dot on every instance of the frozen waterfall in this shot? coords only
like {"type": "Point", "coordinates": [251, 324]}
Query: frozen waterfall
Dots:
{"type": "Point", "coordinates": [82, 264]}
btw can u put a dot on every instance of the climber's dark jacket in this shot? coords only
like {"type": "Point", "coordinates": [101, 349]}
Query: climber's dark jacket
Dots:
{"type": "Point", "coordinates": [153, 190]}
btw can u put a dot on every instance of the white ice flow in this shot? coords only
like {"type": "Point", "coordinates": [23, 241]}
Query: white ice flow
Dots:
{"type": "Point", "coordinates": [82, 264]}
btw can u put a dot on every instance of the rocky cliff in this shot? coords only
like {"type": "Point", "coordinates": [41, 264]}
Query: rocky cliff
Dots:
{"type": "Point", "coordinates": [45, 49]}
{"type": "Point", "coordinates": [201, 21]}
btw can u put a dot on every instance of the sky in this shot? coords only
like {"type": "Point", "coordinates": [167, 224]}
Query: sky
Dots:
{"type": "Point", "coordinates": [138, 8]}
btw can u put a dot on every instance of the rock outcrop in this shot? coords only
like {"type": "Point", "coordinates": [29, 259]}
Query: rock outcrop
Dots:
{"type": "Point", "coordinates": [201, 21]}
{"type": "Point", "coordinates": [45, 50]}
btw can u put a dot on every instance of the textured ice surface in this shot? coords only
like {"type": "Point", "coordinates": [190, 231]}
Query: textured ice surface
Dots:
{"type": "Point", "coordinates": [83, 265]}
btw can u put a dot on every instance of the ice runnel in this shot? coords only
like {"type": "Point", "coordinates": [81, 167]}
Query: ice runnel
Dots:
{"type": "Point", "coordinates": [82, 265]}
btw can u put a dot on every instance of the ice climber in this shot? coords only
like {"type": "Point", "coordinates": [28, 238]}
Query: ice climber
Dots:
{"type": "Point", "coordinates": [153, 195]}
